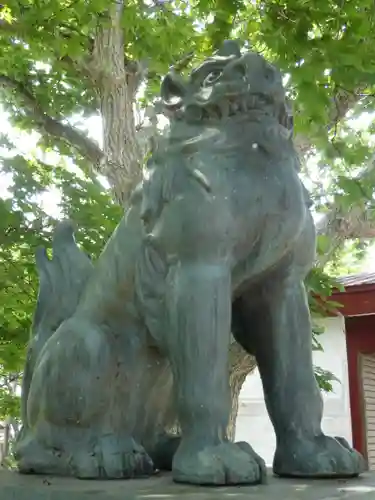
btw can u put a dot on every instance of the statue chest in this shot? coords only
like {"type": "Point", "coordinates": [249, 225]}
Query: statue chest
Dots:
{"type": "Point", "coordinates": [269, 206]}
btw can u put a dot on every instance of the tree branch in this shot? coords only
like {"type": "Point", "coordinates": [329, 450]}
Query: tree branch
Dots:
{"type": "Point", "coordinates": [82, 66]}
{"type": "Point", "coordinates": [52, 126]}
{"type": "Point", "coordinates": [341, 224]}
{"type": "Point", "coordinates": [342, 102]}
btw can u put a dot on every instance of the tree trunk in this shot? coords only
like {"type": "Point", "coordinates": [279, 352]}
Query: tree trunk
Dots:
{"type": "Point", "coordinates": [4, 446]}
{"type": "Point", "coordinates": [116, 88]}
{"type": "Point", "coordinates": [241, 365]}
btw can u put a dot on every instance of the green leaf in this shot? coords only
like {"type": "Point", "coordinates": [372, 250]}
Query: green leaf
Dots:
{"type": "Point", "coordinates": [323, 244]}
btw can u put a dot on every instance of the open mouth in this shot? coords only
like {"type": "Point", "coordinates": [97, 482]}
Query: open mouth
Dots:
{"type": "Point", "coordinates": [251, 106]}
{"type": "Point", "coordinates": [243, 87]}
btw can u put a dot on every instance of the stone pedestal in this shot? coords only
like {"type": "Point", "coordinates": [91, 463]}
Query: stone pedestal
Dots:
{"type": "Point", "coordinates": [16, 487]}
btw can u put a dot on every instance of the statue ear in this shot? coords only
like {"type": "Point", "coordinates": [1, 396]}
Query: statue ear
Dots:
{"type": "Point", "coordinates": [173, 90]}
{"type": "Point", "coordinates": [286, 115]}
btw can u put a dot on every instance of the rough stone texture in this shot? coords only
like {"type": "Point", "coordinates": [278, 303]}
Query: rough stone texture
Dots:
{"type": "Point", "coordinates": [16, 487]}
{"type": "Point", "coordinates": [218, 238]}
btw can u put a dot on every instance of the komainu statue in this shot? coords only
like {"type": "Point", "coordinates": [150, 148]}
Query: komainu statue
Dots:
{"type": "Point", "coordinates": [217, 240]}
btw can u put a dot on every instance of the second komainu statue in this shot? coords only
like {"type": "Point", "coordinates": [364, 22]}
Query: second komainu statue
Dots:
{"type": "Point", "coordinates": [218, 238]}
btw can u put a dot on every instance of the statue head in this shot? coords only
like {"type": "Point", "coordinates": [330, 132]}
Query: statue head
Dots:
{"type": "Point", "coordinates": [227, 86]}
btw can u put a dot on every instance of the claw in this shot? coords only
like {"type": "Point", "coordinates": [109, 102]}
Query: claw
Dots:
{"type": "Point", "coordinates": [262, 464]}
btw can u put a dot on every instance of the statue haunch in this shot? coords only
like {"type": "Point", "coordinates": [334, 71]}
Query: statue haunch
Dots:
{"type": "Point", "coordinates": [217, 239]}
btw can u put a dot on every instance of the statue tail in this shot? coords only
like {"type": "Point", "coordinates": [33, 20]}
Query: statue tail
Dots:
{"type": "Point", "coordinates": [61, 282]}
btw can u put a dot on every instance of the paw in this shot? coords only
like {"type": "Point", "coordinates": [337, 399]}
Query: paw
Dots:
{"type": "Point", "coordinates": [113, 457]}
{"type": "Point", "coordinates": [224, 464]}
{"type": "Point", "coordinates": [33, 458]}
{"type": "Point", "coordinates": [321, 457]}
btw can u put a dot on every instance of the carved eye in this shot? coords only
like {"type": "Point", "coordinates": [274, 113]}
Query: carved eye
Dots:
{"type": "Point", "coordinates": [212, 78]}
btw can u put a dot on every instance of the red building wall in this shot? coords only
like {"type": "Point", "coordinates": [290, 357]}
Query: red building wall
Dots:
{"type": "Point", "coordinates": [360, 339]}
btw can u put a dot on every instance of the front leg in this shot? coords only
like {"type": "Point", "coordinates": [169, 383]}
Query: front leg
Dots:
{"type": "Point", "coordinates": [275, 325]}
{"type": "Point", "coordinates": [197, 339]}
